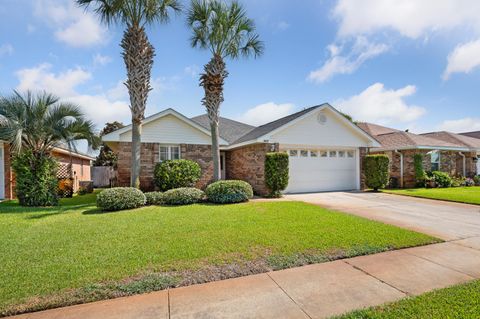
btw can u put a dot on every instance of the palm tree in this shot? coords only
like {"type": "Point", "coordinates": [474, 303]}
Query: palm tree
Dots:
{"type": "Point", "coordinates": [40, 122]}
{"type": "Point", "coordinates": [226, 31]}
{"type": "Point", "coordinates": [137, 54]}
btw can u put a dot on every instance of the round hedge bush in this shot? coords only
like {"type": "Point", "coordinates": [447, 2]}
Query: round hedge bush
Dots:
{"type": "Point", "coordinates": [176, 174]}
{"type": "Point", "coordinates": [120, 198]}
{"type": "Point", "coordinates": [154, 198]}
{"type": "Point", "coordinates": [183, 196]}
{"type": "Point", "coordinates": [226, 192]}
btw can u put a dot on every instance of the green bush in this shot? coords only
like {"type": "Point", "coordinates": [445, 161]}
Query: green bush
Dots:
{"type": "Point", "coordinates": [420, 175]}
{"type": "Point", "coordinates": [276, 173]}
{"type": "Point", "coordinates": [476, 180]}
{"type": "Point", "coordinates": [459, 181]}
{"type": "Point", "coordinates": [120, 198]}
{"type": "Point", "coordinates": [376, 171]}
{"type": "Point", "coordinates": [154, 198]}
{"type": "Point", "coordinates": [226, 192]}
{"type": "Point", "coordinates": [442, 179]}
{"type": "Point", "coordinates": [176, 174]}
{"type": "Point", "coordinates": [36, 181]}
{"type": "Point", "coordinates": [183, 196]}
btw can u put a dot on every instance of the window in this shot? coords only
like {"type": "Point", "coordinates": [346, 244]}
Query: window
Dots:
{"type": "Point", "coordinates": [341, 153]}
{"type": "Point", "coordinates": [293, 153]}
{"type": "Point", "coordinates": [313, 154]}
{"type": "Point", "coordinates": [304, 153]}
{"type": "Point", "coordinates": [333, 153]}
{"type": "Point", "coordinates": [169, 153]}
{"type": "Point", "coordinates": [435, 160]}
{"type": "Point", "coordinates": [323, 154]}
{"type": "Point", "coordinates": [350, 154]}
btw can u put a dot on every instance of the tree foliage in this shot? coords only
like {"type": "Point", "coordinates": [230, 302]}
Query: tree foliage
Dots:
{"type": "Point", "coordinates": [376, 171]}
{"type": "Point", "coordinates": [107, 157]}
{"type": "Point", "coordinates": [276, 173]}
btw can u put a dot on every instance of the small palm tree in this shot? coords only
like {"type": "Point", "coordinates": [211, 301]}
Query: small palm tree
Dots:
{"type": "Point", "coordinates": [226, 31]}
{"type": "Point", "coordinates": [138, 55]}
{"type": "Point", "coordinates": [39, 122]}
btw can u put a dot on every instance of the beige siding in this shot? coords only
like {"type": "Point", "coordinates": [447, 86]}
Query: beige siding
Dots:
{"type": "Point", "coordinates": [169, 130]}
{"type": "Point", "coordinates": [309, 131]}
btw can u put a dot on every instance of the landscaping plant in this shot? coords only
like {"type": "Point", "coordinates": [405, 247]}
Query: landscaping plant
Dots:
{"type": "Point", "coordinates": [183, 196]}
{"type": "Point", "coordinates": [225, 30]}
{"type": "Point", "coordinates": [442, 179]}
{"type": "Point", "coordinates": [228, 192]}
{"type": "Point", "coordinates": [154, 198]}
{"type": "Point", "coordinates": [33, 124]}
{"type": "Point", "coordinates": [420, 175]}
{"type": "Point", "coordinates": [137, 54]}
{"type": "Point", "coordinates": [276, 173]}
{"type": "Point", "coordinates": [376, 171]}
{"type": "Point", "coordinates": [176, 174]}
{"type": "Point", "coordinates": [120, 198]}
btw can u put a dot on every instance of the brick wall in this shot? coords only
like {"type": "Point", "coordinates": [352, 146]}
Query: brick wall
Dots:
{"type": "Point", "coordinates": [248, 164]}
{"type": "Point", "coordinates": [450, 162]}
{"type": "Point", "coordinates": [149, 156]}
{"type": "Point", "coordinates": [202, 154]}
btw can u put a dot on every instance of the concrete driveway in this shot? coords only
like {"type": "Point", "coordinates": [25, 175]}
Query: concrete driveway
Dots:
{"type": "Point", "coordinates": [445, 220]}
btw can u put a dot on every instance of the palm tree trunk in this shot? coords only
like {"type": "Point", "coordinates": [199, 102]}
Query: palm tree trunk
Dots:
{"type": "Point", "coordinates": [138, 56]}
{"type": "Point", "coordinates": [212, 81]}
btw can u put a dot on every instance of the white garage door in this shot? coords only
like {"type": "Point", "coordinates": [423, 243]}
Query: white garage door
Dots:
{"type": "Point", "coordinates": [322, 170]}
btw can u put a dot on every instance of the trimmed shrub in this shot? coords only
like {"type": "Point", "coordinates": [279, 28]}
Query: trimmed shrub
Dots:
{"type": "Point", "coordinates": [458, 181]}
{"type": "Point", "coordinates": [227, 192]}
{"type": "Point", "coordinates": [442, 179]}
{"type": "Point", "coordinates": [420, 175]}
{"type": "Point", "coordinates": [176, 174]}
{"type": "Point", "coordinates": [36, 181]}
{"type": "Point", "coordinates": [476, 180]}
{"type": "Point", "coordinates": [276, 173]}
{"type": "Point", "coordinates": [183, 196]}
{"type": "Point", "coordinates": [469, 182]}
{"type": "Point", "coordinates": [154, 198]}
{"type": "Point", "coordinates": [120, 198]}
{"type": "Point", "coordinates": [376, 171]}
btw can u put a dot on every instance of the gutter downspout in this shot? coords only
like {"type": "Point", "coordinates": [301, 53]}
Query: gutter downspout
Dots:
{"type": "Point", "coordinates": [464, 164]}
{"type": "Point", "coordinates": [401, 167]}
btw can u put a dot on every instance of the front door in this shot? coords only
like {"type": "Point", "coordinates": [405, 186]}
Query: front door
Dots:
{"type": "Point", "coordinates": [2, 172]}
{"type": "Point", "coordinates": [222, 165]}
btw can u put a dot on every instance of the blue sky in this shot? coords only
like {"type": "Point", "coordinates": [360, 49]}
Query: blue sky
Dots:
{"type": "Point", "coordinates": [403, 63]}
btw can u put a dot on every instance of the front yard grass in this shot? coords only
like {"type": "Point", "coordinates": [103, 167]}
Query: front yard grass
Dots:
{"type": "Point", "coordinates": [73, 253]}
{"type": "Point", "coordinates": [468, 195]}
{"type": "Point", "coordinates": [462, 301]}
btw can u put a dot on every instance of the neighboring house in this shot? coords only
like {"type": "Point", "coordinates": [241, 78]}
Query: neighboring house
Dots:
{"type": "Point", "coordinates": [80, 165]}
{"type": "Point", "coordinates": [475, 134]}
{"type": "Point", "coordinates": [325, 148]}
{"type": "Point", "coordinates": [443, 151]}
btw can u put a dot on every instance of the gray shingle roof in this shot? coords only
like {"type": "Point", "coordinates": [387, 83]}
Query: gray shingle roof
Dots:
{"type": "Point", "coordinates": [266, 128]}
{"type": "Point", "coordinates": [375, 129]}
{"type": "Point", "coordinates": [459, 139]}
{"type": "Point", "coordinates": [229, 130]}
{"type": "Point", "coordinates": [475, 134]}
{"type": "Point", "coordinates": [405, 140]}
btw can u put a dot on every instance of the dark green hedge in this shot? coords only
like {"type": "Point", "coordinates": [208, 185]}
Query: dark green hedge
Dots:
{"type": "Point", "coordinates": [36, 180]}
{"type": "Point", "coordinates": [420, 175]}
{"type": "Point", "coordinates": [154, 198]}
{"type": "Point", "coordinates": [183, 196]}
{"type": "Point", "coordinates": [228, 192]}
{"type": "Point", "coordinates": [119, 198]}
{"type": "Point", "coordinates": [276, 173]}
{"type": "Point", "coordinates": [376, 171]}
{"type": "Point", "coordinates": [176, 174]}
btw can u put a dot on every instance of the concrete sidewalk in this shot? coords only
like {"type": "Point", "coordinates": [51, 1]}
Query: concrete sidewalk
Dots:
{"type": "Point", "coordinates": [314, 291]}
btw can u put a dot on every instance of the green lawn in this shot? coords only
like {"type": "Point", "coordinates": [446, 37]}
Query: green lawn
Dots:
{"type": "Point", "coordinates": [458, 302]}
{"type": "Point", "coordinates": [469, 195]}
{"type": "Point", "coordinates": [45, 251]}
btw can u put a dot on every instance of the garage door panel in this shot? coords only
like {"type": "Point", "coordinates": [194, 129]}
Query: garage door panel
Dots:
{"type": "Point", "coordinates": [313, 174]}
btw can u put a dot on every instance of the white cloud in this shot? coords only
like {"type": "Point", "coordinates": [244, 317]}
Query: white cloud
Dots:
{"type": "Point", "coordinates": [410, 18]}
{"type": "Point", "coordinates": [6, 49]}
{"type": "Point", "coordinates": [283, 25]}
{"type": "Point", "coordinates": [192, 70]}
{"type": "Point", "coordinates": [72, 25]}
{"type": "Point", "coordinates": [384, 106]}
{"type": "Point", "coordinates": [100, 108]}
{"type": "Point", "coordinates": [466, 124]}
{"type": "Point", "coordinates": [42, 78]}
{"type": "Point", "coordinates": [102, 60]}
{"type": "Point", "coordinates": [265, 113]}
{"type": "Point", "coordinates": [361, 51]}
{"type": "Point", "coordinates": [464, 58]}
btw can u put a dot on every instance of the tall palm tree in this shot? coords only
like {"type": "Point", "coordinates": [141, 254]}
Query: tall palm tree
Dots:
{"type": "Point", "coordinates": [39, 122]}
{"type": "Point", "coordinates": [225, 30]}
{"type": "Point", "coordinates": [137, 54]}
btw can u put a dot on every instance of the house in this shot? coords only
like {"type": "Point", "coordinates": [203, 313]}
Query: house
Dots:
{"type": "Point", "coordinates": [80, 166]}
{"type": "Point", "coordinates": [475, 134]}
{"type": "Point", "coordinates": [443, 151]}
{"type": "Point", "coordinates": [325, 148]}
